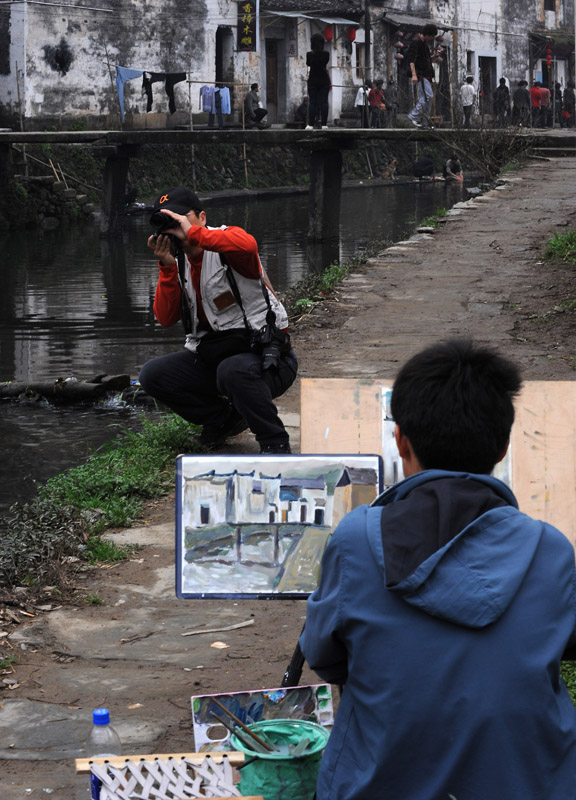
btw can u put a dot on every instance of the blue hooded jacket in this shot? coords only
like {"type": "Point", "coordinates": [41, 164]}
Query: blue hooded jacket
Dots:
{"type": "Point", "coordinates": [445, 611]}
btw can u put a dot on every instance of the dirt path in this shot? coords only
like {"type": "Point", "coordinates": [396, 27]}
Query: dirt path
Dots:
{"type": "Point", "coordinates": [481, 274]}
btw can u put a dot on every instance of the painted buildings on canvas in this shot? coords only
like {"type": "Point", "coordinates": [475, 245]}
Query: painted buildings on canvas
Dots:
{"type": "Point", "coordinates": [247, 498]}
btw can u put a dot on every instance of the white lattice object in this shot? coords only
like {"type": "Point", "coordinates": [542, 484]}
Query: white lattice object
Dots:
{"type": "Point", "coordinates": [166, 779]}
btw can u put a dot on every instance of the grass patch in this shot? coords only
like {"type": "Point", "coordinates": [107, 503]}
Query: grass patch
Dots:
{"type": "Point", "coordinates": [100, 550]}
{"type": "Point", "coordinates": [562, 246]}
{"type": "Point", "coordinates": [116, 479]}
{"type": "Point", "coordinates": [433, 221]}
{"type": "Point", "coordinates": [7, 662]}
{"type": "Point", "coordinates": [42, 540]}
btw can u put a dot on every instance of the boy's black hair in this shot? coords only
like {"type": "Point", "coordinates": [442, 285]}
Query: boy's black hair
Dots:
{"type": "Point", "coordinates": [454, 402]}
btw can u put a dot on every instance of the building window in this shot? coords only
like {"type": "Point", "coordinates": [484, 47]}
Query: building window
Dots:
{"type": "Point", "coordinates": [549, 5]}
{"type": "Point", "coordinates": [360, 50]}
{"type": "Point", "coordinates": [470, 61]}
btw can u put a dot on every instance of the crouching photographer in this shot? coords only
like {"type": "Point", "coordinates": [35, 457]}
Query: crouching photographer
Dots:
{"type": "Point", "coordinates": [237, 356]}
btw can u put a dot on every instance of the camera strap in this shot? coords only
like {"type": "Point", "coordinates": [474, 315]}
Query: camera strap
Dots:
{"type": "Point", "coordinates": [186, 314]}
{"type": "Point", "coordinates": [270, 316]}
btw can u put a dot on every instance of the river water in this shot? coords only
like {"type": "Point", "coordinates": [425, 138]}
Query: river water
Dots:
{"type": "Point", "coordinates": [76, 305]}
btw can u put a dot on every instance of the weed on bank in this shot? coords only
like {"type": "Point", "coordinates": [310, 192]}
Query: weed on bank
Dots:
{"type": "Point", "coordinates": [42, 540]}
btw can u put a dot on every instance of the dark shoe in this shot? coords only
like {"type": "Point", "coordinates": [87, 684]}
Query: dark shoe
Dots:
{"type": "Point", "coordinates": [275, 449]}
{"type": "Point", "coordinates": [215, 435]}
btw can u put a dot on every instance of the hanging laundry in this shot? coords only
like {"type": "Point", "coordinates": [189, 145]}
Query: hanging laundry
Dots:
{"type": "Point", "coordinates": [225, 99]}
{"type": "Point", "coordinates": [207, 99]}
{"type": "Point", "coordinates": [172, 78]}
{"type": "Point", "coordinates": [147, 81]}
{"type": "Point", "coordinates": [124, 74]}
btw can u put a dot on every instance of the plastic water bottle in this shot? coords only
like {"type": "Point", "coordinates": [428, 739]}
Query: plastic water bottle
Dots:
{"type": "Point", "coordinates": [103, 742]}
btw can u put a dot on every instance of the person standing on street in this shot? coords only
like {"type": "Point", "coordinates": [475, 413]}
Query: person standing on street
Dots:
{"type": "Point", "coordinates": [546, 119]}
{"type": "Point", "coordinates": [237, 355]}
{"type": "Point", "coordinates": [391, 100]}
{"type": "Point", "coordinates": [522, 102]}
{"type": "Point", "coordinates": [318, 82]}
{"type": "Point", "coordinates": [536, 102]}
{"type": "Point", "coordinates": [468, 98]}
{"type": "Point", "coordinates": [421, 71]}
{"type": "Point", "coordinates": [501, 98]}
{"type": "Point", "coordinates": [377, 106]}
{"type": "Point", "coordinates": [569, 101]}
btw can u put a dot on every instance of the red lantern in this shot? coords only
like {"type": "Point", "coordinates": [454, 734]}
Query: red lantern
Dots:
{"type": "Point", "coordinates": [549, 57]}
{"type": "Point", "coordinates": [351, 34]}
{"type": "Point", "coordinates": [328, 34]}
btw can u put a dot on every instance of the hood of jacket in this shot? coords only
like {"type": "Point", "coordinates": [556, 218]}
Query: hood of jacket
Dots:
{"type": "Point", "coordinates": [455, 545]}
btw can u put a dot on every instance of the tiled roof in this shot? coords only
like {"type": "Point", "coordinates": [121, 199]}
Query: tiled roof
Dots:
{"type": "Point", "coordinates": [331, 8]}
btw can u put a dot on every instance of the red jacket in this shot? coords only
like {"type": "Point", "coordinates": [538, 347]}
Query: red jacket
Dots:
{"type": "Point", "coordinates": [535, 97]}
{"type": "Point", "coordinates": [241, 253]}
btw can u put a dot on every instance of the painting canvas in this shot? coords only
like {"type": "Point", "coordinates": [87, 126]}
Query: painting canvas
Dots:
{"type": "Point", "coordinates": [256, 526]}
{"type": "Point", "coordinates": [310, 703]}
{"type": "Point", "coordinates": [392, 463]}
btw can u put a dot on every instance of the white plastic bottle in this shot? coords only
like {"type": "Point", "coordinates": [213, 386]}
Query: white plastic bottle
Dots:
{"type": "Point", "coordinates": [103, 742]}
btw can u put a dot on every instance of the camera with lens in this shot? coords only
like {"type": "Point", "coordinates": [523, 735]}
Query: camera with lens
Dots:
{"type": "Point", "coordinates": [161, 223]}
{"type": "Point", "coordinates": [271, 343]}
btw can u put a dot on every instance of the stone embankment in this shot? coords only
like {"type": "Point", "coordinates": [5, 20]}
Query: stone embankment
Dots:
{"type": "Point", "coordinates": [481, 273]}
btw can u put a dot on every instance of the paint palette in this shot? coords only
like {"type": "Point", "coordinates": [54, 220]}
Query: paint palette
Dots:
{"type": "Point", "coordinates": [311, 703]}
{"type": "Point", "coordinates": [256, 526]}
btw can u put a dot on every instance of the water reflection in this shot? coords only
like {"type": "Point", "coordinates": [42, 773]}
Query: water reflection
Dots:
{"type": "Point", "coordinates": [74, 304]}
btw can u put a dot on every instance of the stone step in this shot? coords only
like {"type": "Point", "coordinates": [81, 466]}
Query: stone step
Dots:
{"type": "Point", "coordinates": [554, 152]}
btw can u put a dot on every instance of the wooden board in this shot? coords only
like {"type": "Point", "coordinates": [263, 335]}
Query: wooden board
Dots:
{"type": "Point", "coordinates": [345, 415]}
{"type": "Point", "coordinates": [83, 764]}
{"type": "Point", "coordinates": [544, 453]}
{"type": "Point", "coordinates": [340, 415]}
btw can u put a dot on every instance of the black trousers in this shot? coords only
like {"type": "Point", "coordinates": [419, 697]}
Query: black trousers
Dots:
{"type": "Point", "coordinates": [203, 395]}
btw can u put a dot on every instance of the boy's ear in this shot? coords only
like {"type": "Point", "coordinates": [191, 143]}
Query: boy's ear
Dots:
{"type": "Point", "coordinates": [410, 463]}
{"type": "Point", "coordinates": [504, 451]}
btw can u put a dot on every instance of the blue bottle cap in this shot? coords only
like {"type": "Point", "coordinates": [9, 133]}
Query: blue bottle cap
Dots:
{"type": "Point", "coordinates": [100, 716]}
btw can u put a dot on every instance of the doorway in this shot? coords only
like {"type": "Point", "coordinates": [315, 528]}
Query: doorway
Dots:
{"type": "Point", "coordinates": [272, 79]}
{"type": "Point", "coordinates": [487, 83]}
{"type": "Point", "coordinates": [224, 67]}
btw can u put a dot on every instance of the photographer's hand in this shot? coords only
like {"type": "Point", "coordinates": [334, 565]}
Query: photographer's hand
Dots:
{"type": "Point", "coordinates": [181, 224]}
{"type": "Point", "coordinates": [162, 248]}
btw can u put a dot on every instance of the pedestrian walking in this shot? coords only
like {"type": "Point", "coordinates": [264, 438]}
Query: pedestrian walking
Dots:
{"type": "Point", "coordinates": [421, 71]}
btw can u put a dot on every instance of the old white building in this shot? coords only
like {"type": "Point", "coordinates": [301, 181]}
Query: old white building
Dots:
{"type": "Point", "coordinates": [58, 60]}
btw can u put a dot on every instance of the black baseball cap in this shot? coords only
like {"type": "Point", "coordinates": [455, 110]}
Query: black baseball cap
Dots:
{"type": "Point", "coordinates": [179, 200]}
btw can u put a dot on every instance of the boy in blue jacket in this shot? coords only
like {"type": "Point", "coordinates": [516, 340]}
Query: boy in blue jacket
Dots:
{"type": "Point", "coordinates": [445, 611]}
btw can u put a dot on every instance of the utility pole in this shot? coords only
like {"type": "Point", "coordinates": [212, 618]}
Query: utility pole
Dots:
{"type": "Point", "coordinates": [367, 52]}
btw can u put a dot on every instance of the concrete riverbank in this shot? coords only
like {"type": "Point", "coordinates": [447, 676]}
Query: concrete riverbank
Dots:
{"type": "Point", "coordinates": [481, 273]}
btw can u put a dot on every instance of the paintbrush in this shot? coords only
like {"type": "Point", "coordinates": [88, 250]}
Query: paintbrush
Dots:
{"type": "Point", "coordinates": [245, 728]}
{"type": "Point", "coordinates": [250, 744]}
{"type": "Point", "coordinates": [299, 749]}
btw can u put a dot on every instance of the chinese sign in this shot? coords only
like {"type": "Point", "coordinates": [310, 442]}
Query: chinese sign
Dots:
{"type": "Point", "coordinates": [292, 36]}
{"type": "Point", "coordinates": [247, 25]}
